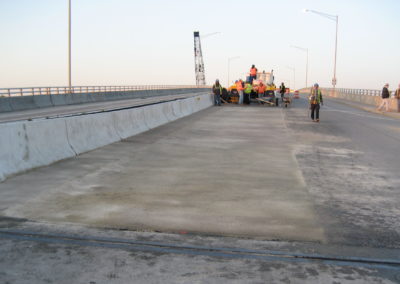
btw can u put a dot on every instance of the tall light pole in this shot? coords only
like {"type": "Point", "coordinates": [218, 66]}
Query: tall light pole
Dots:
{"type": "Point", "coordinates": [334, 18]}
{"type": "Point", "coordinates": [294, 76]}
{"type": "Point", "coordinates": [69, 45]}
{"type": "Point", "coordinates": [306, 50]}
{"type": "Point", "coordinates": [229, 66]}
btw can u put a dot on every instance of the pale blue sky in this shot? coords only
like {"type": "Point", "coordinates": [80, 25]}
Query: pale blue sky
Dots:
{"type": "Point", "coordinates": [128, 42]}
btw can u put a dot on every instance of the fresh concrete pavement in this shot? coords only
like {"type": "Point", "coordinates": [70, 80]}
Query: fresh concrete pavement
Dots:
{"type": "Point", "coordinates": [252, 177]}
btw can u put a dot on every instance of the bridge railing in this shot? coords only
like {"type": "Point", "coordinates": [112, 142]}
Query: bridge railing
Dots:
{"type": "Point", "coordinates": [33, 91]}
{"type": "Point", "coordinates": [366, 92]}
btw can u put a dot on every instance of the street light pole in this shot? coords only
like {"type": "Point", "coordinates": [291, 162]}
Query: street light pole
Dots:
{"type": "Point", "coordinates": [69, 45]}
{"type": "Point", "coordinates": [336, 19]}
{"type": "Point", "coordinates": [294, 76]}
{"type": "Point", "coordinates": [306, 50]}
{"type": "Point", "coordinates": [334, 68]}
{"type": "Point", "coordinates": [229, 67]}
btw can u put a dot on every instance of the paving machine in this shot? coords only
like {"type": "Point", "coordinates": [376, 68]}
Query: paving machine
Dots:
{"type": "Point", "coordinates": [267, 78]}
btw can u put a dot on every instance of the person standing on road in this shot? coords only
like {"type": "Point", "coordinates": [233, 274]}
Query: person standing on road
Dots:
{"type": "Point", "coordinates": [261, 90]}
{"type": "Point", "coordinates": [217, 90]}
{"type": "Point", "coordinates": [282, 90]}
{"type": "Point", "coordinates": [253, 73]}
{"type": "Point", "coordinates": [247, 92]}
{"type": "Point", "coordinates": [239, 88]}
{"type": "Point", "coordinates": [315, 100]}
{"type": "Point", "coordinates": [385, 98]}
{"type": "Point", "coordinates": [397, 96]}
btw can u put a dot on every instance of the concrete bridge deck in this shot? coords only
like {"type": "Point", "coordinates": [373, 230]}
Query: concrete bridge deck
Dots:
{"type": "Point", "coordinates": [287, 185]}
{"type": "Point", "coordinates": [224, 171]}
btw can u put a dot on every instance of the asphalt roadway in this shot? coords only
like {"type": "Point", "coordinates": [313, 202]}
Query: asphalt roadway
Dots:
{"type": "Point", "coordinates": [248, 194]}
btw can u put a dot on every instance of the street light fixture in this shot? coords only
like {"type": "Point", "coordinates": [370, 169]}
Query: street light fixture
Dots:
{"type": "Point", "coordinates": [294, 76]}
{"type": "Point", "coordinates": [210, 34]}
{"type": "Point", "coordinates": [334, 18]}
{"type": "Point", "coordinates": [229, 66]}
{"type": "Point", "coordinates": [306, 50]}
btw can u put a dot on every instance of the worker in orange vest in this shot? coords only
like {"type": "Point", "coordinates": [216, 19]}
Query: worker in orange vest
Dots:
{"type": "Point", "coordinates": [253, 73]}
{"type": "Point", "coordinates": [239, 88]}
{"type": "Point", "coordinates": [261, 90]}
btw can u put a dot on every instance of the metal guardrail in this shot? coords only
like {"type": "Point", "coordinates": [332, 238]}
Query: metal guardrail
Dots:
{"type": "Point", "coordinates": [366, 92]}
{"type": "Point", "coordinates": [33, 91]}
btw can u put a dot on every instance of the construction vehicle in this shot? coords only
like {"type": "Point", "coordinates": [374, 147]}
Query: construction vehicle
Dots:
{"type": "Point", "coordinates": [267, 78]}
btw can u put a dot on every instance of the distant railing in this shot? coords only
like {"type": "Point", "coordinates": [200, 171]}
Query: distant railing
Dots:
{"type": "Point", "coordinates": [358, 91]}
{"type": "Point", "coordinates": [33, 91]}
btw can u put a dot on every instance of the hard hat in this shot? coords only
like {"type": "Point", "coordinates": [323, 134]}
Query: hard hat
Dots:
{"type": "Point", "coordinates": [316, 85]}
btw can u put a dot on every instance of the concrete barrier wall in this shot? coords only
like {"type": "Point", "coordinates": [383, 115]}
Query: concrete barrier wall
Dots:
{"type": "Point", "coordinates": [364, 99]}
{"type": "Point", "coordinates": [42, 101]}
{"type": "Point", "coordinates": [29, 144]}
{"type": "Point", "coordinates": [129, 122]}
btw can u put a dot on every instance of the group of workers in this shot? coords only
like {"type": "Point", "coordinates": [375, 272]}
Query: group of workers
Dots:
{"type": "Point", "coordinates": [244, 90]}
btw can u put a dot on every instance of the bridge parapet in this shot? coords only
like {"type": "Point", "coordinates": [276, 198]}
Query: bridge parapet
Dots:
{"type": "Point", "coordinates": [18, 99]}
{"type": "Point", "coordinates": [363, 96]}
{"type": "Point", "coordinates": [32, 91]}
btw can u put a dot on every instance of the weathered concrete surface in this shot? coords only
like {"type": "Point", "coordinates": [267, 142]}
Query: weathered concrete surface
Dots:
{"type": "Point", "coordinates": [52, 262]}
{"type": "Point", "coordinates": [226, 171]}
{"type": "Point", "coordinates": [350, 164]}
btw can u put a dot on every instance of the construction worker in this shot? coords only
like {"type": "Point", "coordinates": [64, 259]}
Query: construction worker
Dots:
{"type": "Point", "coordinates": [282, 90]}
{"type": "Point", "coordinates": [247, 91]}
{"type": "Point", "coordinates": [239, 88]}
{"type": "Point", "coordinates": [217, 90]}
{"type": "Point", "coordinates": [315, 100]}
{"type": "Point", "coordinates": [261, 90]}
{"type": "Point", "coordinates": [253, 73]}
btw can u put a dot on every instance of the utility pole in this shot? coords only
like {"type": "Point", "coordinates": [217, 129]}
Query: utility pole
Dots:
{"type": "Point", "coordinates": [229, 67]}
{"type": "Point", "coordinates": [69, 47]}
{"type": "Point", "coordinates": [334, 18]}
{"type": "Point", "coordinates": [305, 50]}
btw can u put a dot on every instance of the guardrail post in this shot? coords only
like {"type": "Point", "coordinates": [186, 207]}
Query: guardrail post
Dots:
{"type": "Point", "coordinates": [21, 92]}
{"type": "Point", "coordinates": [9, 92]}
